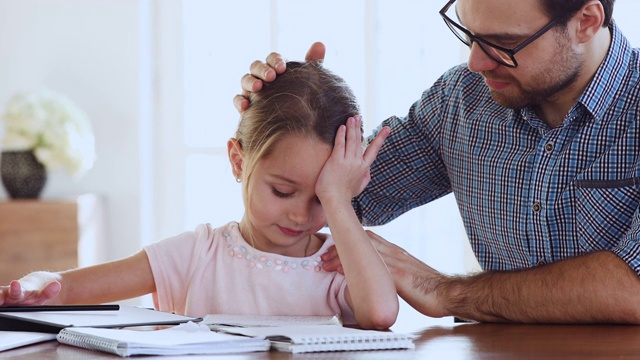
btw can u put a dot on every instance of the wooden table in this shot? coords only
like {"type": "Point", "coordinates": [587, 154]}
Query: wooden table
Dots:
{"type": "Point", "coordinates": [436, 339]}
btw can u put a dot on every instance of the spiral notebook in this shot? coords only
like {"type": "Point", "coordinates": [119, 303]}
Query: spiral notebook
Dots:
{"type": "Point", "coordinates": [314, 338]}
{"type": "Point", "coordinates": [184, 339]}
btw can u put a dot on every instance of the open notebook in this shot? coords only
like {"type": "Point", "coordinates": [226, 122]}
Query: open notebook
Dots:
{"type": "Point", "coordinates": [184, 339]}
{"type": "Point", "coordinates": [320, 338]}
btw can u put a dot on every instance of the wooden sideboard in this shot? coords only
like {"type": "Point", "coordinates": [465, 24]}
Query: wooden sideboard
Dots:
{"type": "Point", "coordinates": [48, 234]}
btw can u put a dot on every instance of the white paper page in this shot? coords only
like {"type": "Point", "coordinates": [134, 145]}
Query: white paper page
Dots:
{"type": "Point", "coordinates": [299, 333]}
{"type": "Point", "coordinates": [270, 320]}
{"type": "Point", "coordinates": [189, 333]}
{"type": "Point", "coordinates": [14, 339]}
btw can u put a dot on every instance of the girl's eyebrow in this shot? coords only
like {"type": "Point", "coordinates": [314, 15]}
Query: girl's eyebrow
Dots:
{"type": "Point", "coordinates": [284, 178]}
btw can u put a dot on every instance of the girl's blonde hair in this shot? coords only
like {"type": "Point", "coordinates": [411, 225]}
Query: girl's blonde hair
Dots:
{"type": "Point", "coordinates": [306, 100]}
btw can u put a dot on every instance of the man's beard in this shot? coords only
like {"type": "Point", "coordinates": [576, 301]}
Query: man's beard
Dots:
{"type": "Point", "coordinates": [552, 79]}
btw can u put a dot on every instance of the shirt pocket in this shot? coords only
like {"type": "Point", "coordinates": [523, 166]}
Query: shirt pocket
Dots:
{"type": "Point", "coordinates": [605, 210]}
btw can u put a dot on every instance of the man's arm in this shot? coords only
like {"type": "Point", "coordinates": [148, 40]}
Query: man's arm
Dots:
{"type": "Point", "coordinates": [594, 288]}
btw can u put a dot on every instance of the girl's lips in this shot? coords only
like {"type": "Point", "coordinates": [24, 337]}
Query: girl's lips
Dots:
{"type": "Point", "coordinates": [496, 85]}
{"type": "Point", "coordinates": [290, 232]}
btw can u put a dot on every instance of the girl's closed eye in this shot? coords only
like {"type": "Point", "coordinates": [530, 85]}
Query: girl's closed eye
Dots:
{"type": "Point", "coordinates": [279, 193]}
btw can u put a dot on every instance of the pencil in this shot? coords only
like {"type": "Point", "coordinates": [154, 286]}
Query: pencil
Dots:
{"type": "Point", "coordinates": [59, 308]}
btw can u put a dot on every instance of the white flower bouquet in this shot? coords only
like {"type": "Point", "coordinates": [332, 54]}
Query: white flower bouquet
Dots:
{"type": "Point", "coordinates": [54, 128]}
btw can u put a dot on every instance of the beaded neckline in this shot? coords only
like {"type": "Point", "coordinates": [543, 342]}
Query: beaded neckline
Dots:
{"type": "Point", "coordinates": [239, 249]}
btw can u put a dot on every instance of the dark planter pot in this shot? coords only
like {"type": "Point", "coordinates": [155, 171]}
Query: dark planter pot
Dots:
{"type": "Point", "coordinates": [23, 176]}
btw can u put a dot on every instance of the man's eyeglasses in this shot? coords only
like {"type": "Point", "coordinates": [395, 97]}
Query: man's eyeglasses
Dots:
{"type": "Point", "coordinates": [499, 54]}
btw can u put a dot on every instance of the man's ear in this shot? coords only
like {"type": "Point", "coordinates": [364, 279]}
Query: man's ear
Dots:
{"type": "Point", "coordinates": [591, 18]}
{"type": "Point", "coordinates": [236, 157]}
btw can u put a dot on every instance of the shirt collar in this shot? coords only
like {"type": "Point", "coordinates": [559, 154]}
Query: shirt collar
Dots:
{"type": "Point", "coordinates": [607, 82]}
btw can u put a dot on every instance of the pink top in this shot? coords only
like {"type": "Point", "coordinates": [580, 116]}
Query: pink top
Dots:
{"type": "Point", "coordinates": [210, 271]}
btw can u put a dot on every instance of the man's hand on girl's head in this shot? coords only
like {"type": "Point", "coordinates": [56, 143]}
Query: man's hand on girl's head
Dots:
{"type": "Point", "coordinates": [316, 52]}
{"type": "Point", "coordinates": [268, 71]}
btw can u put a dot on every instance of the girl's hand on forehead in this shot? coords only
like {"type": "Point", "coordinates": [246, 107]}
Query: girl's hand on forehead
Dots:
{"type": "Point", "coordinates": [347, 171]}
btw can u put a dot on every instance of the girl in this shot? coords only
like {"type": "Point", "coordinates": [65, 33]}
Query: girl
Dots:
{"type": "Point", "coordinates": [300, 164]}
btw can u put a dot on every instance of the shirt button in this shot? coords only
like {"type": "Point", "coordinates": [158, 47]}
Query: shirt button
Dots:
{"type": "Point", "coordinates": [536, 207]}
{"type": "Point", "coordinates": [549, 147]}
{"type": "Point", "coordinates": [541, 262]}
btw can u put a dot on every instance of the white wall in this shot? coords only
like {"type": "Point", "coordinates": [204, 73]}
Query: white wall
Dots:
{"type": "Point", "coordinates": [90, 51]}
{"type": "Point", "coordinates": [98, 52]}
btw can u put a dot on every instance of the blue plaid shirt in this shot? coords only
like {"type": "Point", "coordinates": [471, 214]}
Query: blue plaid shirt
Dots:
{"type": "Point", "coordinates": [528, 194]}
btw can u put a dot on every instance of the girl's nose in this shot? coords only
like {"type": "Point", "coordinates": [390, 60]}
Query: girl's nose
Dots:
{"type": "Point", "coordinates": [300, 213]}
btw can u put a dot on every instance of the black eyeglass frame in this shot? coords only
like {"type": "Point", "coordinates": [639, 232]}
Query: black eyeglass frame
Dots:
{"type": "Point", "coordinates": [482, 42]}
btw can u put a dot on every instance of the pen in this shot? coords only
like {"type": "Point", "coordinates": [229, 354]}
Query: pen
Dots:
{"type": "Point", "coordinates": [461, 320]}
{"type": "Point", "coordinates": [59, 308]}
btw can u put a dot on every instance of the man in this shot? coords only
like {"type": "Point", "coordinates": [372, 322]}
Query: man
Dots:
{"type": "Point", "coordinates": [538, 137]}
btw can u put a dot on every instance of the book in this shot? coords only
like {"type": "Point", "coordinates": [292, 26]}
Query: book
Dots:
{"type": "Point", "coordinates": [216, 320]}
{"type": "Point", "coordinates": [14, 339]}
{"type": "Point", "coordinates": [321, 338]}
{"type": "Point", "coordinates": [183, 339]}
{"type": "Point", "coordinates": [54, 321]}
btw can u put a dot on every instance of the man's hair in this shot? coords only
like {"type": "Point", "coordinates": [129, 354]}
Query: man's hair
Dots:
{"type": "Point", "coordinates": [556, 8]}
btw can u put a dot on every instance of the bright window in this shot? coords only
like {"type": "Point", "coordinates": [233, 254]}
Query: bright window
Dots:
{"type": "Point", "coordinates": [388, 51]}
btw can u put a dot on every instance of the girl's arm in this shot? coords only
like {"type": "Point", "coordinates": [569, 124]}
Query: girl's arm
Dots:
{"type": "Point", "coordinates": [370, 289]}
{"type": "Point", "coordinates": [108, 282]}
